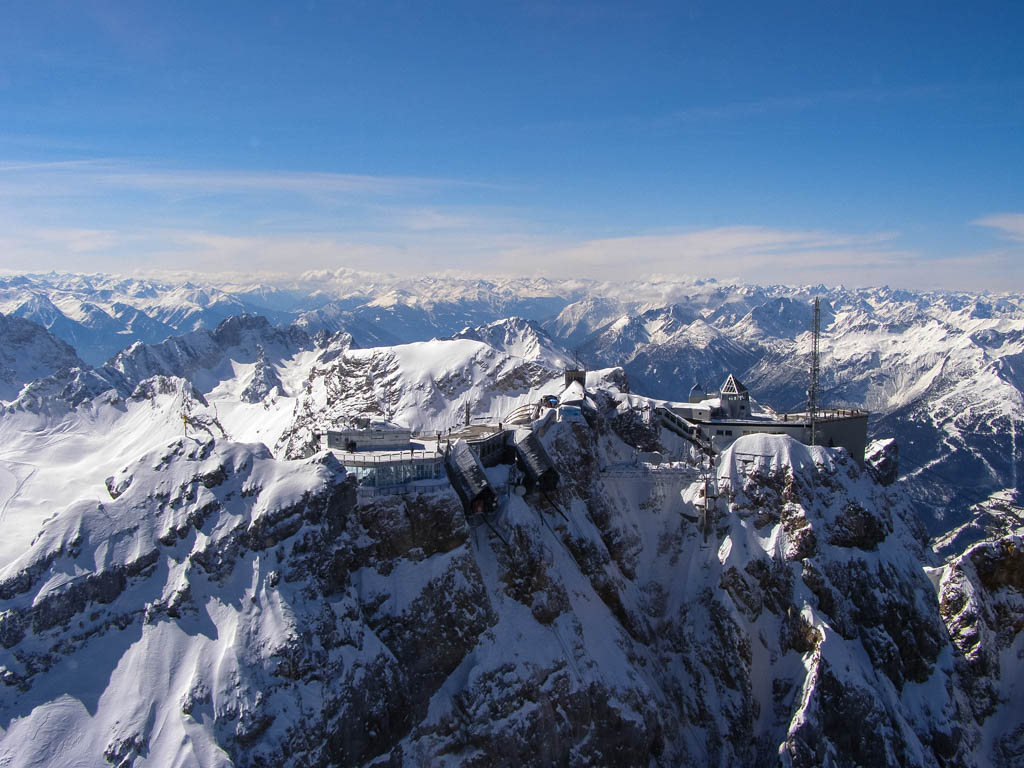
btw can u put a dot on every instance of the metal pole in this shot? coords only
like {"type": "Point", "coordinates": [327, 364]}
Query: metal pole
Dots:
{"type": "Point", "coordinates": [812, 392]}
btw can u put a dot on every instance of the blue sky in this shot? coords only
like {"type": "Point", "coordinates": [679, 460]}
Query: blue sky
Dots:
{"type": "Point", "coordinates": [862, 143]}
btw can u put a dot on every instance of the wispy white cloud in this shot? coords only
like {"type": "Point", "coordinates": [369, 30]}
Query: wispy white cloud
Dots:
{"type": "Point", "coordinates": [85, 175]}
{"type": "Point", "coordinates": [52, 165]}
{"type": "Point", "coordinates": [1011, 225]}
{"type": "Point", "coordinates": [78, 241]}
{"type": "Point", "coordinates": [433, 219]}
{"type": "Point", "coordinates": [237, 221]}
{"type": "Point", "coordinates": [118, 211]}
{"type": "Point", "coordinates": [751, 253]}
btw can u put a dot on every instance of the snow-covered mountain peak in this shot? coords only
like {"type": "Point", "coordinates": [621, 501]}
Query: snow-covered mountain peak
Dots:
{"type": "Point", "coordinates": [29, 352]}
{"type": "Point", "coordinates": [780, 318]}
{"type": "Point", "coordinates": [522, 338]}
{"type": "Point", "coordinates": [424, 385]}
{"type": "Point", "coordinates": [911, 357]}
{"type": "Point", "coordinates": [579, 319]}
{"type": "Point", "coordinates": [204, 599]}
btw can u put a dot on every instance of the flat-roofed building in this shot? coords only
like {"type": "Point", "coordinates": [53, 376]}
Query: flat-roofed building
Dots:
{"type": "Point", "coordinates": [718, 421]}
{"type": "Point", "coordinates": [367, 435]}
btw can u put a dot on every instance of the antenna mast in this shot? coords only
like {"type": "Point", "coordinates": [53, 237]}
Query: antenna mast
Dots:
{"type": "Point", "coordinates": [707, 516]}
{"type": "Point", "coordinates": [812, 392]}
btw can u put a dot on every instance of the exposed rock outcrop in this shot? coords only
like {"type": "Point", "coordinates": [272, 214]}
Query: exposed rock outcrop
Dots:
{"type": "Point", "coordinates": [230, 606]}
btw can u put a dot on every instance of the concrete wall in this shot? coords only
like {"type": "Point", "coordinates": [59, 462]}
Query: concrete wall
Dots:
{"type": "Point", "coordinates": [850, 433]}
{"type": "Point", "coordinates": [695, 411]}
{"type": "Point", "coordinates": [736, 406]}
{"type": "Point", "coordinates": [572, 375]}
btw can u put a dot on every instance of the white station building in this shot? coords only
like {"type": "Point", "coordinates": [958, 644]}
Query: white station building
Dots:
{"type": "Point", "coordinates": [721, 420]}
{"type": "Point", "coordinates": [369, 434]}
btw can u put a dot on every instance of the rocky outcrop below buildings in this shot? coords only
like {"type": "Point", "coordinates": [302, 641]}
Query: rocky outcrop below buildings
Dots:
{"type": "Point", "coordinates": [221, 606]}
{"type": "Point", "coordinates": [981, 599]}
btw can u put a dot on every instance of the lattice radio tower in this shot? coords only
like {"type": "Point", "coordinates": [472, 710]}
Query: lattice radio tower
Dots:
{"type": "Point", "coordinates": [812, 391]}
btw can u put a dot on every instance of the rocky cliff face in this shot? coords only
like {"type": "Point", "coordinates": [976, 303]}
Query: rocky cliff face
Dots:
{"type": "Point", "coordinates": [205, 358]}
{"type": "Point", "coordinates": [804, 610]}
{"type": "Point", "coordinates": [222, 606]}
{"type": "Point", "coordinates": [981, 595]}
{"type": "Point", "coordinates": [217, 605]}
{"type": "Point", "coordinates": [941, 372]}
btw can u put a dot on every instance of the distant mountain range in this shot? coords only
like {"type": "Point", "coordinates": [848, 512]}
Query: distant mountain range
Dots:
{"type": "Point", "coordinates": [942, 372]}
{"type": "Point", "coordinates": [185, 578]}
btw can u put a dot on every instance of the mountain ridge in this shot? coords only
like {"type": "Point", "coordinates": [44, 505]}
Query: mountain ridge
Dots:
{"type": "Point", "coordinates": [911, 358]}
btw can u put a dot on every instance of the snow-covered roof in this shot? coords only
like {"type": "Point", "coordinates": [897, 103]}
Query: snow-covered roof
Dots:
{"type": "Point", "coordinates": [693, 410]}
{"type": "Point", "coordinates": [530, 451]}
{"type": "Point", "coordinates": [373, 423]}
{"type": "Point", "coordinates": [466, 475]}
{"type": "Point", "coordinates": [573, 393]}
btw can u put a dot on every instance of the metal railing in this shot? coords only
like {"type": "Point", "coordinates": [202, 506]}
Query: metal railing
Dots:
{"type": "Point", "coordinates": [653, 472]}
{"type": "Point", "coordinates": [824, 414]}
{"type": "Point", "coordinates": [374, 458]}
{"type": "Point", "coordinates": [523, 413]}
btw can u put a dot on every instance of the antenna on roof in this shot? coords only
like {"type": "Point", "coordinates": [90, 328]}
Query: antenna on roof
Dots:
{"type": "Point", "coordinates": [812, 391]}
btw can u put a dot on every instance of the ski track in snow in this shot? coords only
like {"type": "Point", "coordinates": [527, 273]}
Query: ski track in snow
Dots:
{"type": "Point", "coordinates": [11, 483]}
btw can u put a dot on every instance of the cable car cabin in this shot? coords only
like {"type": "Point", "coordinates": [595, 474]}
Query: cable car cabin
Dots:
{"type": "Point", "coordinates": [468, 478]}
{"type": "Point", "coordinates": [533, 460]}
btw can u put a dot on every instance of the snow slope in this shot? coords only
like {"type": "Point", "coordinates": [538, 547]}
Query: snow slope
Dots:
{"type": "Point", "coordinates": [940, 371]}
{"type": "Point", "coordinates": [199, 601]}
